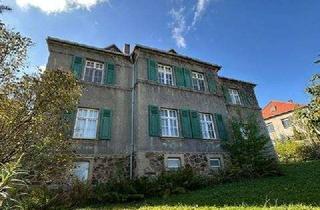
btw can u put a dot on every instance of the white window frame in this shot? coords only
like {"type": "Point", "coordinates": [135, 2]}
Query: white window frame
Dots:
{"type": "Point", "coordinates": [167, 73]}
{"type": "Point", "coordinates": [173, 168]}
{"type": "Point", "coordinates": [97, 66]}
{"type": "Point", "coordinates": [268, 128]}
{"type": "Point", "coordinates": [205, 121]}
{"type": "Point", "coordinates": [235, 97]}
{"type": "Point", "coordinates": [215, 158]}
{"type": "Point", "coordinates": [196, 78]}
{"type": "Point", "coordinates": [170, 122]}
{"type": "Point", "coordinates": [76, 170]}
{"type": "Point", "coordinates": [78, 135]}
{"type": "Point", "coordinates": [287, 120]}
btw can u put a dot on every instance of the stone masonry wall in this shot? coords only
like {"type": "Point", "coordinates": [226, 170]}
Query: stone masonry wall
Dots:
{"type": "Point", "coordinates": [108, 167]}
{"type": "Point", "coordinates": [154, 162]}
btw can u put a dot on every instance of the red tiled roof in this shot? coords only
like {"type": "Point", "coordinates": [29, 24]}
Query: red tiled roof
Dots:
{"type": "Point", "coordinates": [274, 108]}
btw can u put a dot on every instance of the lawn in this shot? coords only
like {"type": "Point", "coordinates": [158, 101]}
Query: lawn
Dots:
{"type": "Point", "coordinates": [298, 189]}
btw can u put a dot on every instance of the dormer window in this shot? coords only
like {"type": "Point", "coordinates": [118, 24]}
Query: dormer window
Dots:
{"type": "Point", "coordinates": [273, 109]}
{"type": "Point", "coordinates": [93, 72]}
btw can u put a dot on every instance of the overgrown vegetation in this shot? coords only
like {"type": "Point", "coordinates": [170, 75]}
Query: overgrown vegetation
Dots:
{"type": "Point", "coordinates": [250, 150]}
{"type": "Point", "coordinates": [299, 188]}
{"type": "Point", "coordinates": [32, 119]}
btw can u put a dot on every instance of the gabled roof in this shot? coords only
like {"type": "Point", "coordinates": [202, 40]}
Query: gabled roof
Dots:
{"type": "Point", "coordinates": [176, 55]}
{"type": "Point", "coordinates": [113, 48]}
{"type": "Point", "coordinates": [66, 42]}
{"type": "Point", "coordinates": [275, 108]}
{"type": "Point", "coordinates": [237, 80]}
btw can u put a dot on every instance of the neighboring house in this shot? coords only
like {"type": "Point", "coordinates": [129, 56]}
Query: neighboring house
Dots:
{"type": "Point", "coordinates": [149, 110]}
{"type": "Point", "coordinates": [278, 118]}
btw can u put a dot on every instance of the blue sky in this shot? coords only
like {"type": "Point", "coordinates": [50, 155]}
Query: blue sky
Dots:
{"type": "Point", "coordinates": [272, 43]}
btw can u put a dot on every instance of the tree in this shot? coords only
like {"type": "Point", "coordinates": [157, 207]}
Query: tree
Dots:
{"type": "Point", "coordinates": [307, 119]}
{"type": "Point", "coordinates": [248, 150]}
{"type": "Point", "coordinates": [32, 110]}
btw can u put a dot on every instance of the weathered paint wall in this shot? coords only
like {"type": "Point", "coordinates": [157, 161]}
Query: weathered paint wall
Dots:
{"type": "Point", "coordinates": [105, 156]}
{"type": "Point", "coordinates": [279, 131]}
{"type": "Point", "coordinates": [115, 97]}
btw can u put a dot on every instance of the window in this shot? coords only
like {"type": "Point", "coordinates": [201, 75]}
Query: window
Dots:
{"type": "Point", "coordinates": [270, 127]}
{"type": "Point", "coordinates": [93, 72]}
{"type": "Point", "coordinates": [169, 123]}
{"type": "Point", "coordinates": [86, 124]}
{"type": "Point", "coordinates": [165, 74]}
{"type": "Point", "coordinates": [81, 170]}
{"type": "Point", "coordinates": [207, 126]}
{"type": "Point", "coordinates": [198, 81]}
{"type": "Point", "coordinates": [214, 162]}
{"type": "Point", "coordinates": [244, 132]}
{"type": "Point", "coordinates": [286, 122]}
{"type": "Point", "coordinates": [234, 95]}
{"type": "Point", "coordinates": [173, 163]}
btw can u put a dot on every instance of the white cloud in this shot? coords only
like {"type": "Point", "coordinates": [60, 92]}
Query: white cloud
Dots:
{"type": "Point", "coordinates": [178, 27]}
{"type": "Point", "coordinates": [57, 6]}
{"type": "Point", "coordinates": [182, 23]}
{"type": "Point", "coordinates": [199, 10]}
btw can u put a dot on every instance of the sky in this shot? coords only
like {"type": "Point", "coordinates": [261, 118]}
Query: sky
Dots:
{"type": "Point", "coordinates": [272, 43]}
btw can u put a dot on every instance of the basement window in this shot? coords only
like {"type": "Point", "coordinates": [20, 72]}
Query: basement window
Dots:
{"type": "Point", "coordinates": [81, 170]}
{"type": "Point", "coordinates": [173, 163]}
{"type": "Point", "coordinates": [215, 163]}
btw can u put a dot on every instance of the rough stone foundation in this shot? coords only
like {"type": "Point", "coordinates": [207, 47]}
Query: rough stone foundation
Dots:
{"type": "Point", "coordinates": [113, 166]}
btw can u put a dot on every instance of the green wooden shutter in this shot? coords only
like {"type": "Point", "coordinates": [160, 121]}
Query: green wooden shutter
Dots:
{"type": "Point", "coordinates": [187, 78]}
{"type": "Point", "coordinates": [185, 123]}
{"type": "Point", "coordinates": [226, 94]}
{"type": "Point", "coordinates": [154, 121]}
{"type": "Point", "coordinates": [195, 125]}
{"type": "Point", "coordinates": [110, 75]}
{"type": "Point", "coordinates": [105, 124]}
{"type": "Point", "coordinates": [179, 76]}
{"type": "Point", "coordinates": [244, 98]}
{"type": "Point", "coordinates": [221, 127]}
{"type": "Point", "coordinates": [152, 70]}
{"type": "Point", "coordinates": [69, 119]}
{"type": "Point", "coordinates": [77, 66]}
{"type": "Point", "coordinates": [211, 82]}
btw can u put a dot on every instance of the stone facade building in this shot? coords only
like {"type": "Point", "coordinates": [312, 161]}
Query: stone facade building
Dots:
{"type": "Point", "coordinates": [148, 111]}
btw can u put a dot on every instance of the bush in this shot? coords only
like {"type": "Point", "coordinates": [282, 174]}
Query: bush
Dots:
{"type": "Point", "coordinates": [309, 152]}
{"type": "Point", "coordinates": [251, 156]}
{"type": "Point", "coordinates": [288, 150]}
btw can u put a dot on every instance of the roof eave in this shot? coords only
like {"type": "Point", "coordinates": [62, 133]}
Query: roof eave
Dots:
{"type": "Point", "coordinates": [61, 41]}
{"type": "Point", "coordinates": [218, 67]}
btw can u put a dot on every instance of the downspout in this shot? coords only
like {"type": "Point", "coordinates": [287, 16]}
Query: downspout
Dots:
{"type": "Point", "coordinates": [132, 116]}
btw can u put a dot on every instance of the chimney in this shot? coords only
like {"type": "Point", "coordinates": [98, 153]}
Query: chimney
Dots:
{"type": "Point", "coordinates": [126, 49]}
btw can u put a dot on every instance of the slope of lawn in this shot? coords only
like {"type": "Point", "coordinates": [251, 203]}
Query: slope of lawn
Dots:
{"type": "Point", "coordinates": [298, 189]}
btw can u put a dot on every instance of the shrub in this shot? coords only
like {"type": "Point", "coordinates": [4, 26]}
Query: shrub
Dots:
{"type": "Point", "coordinates": [288, 150]}
{"type": "Point", "coordinates": [250, 154]}
{"type": "Point", "coordinates": [309, 152]}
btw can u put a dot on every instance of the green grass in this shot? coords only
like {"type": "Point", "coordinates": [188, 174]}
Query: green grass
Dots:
{"type": "Point", "coordinates": [298, 189]}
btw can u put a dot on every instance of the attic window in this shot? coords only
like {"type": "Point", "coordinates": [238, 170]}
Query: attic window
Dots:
{"type": "Point", "coordinates": [273, 109]}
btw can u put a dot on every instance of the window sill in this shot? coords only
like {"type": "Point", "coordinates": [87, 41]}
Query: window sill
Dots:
{"type": "Point", "coordinates": [114, 86]}
{"type": "Point", "coordinates": [164, 138]}
{"type": "Point", "coordinates": [243, 106]}
{"type": "Point", "coordinates": [179, 88]}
